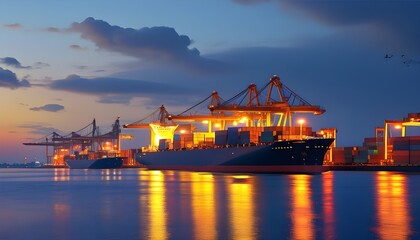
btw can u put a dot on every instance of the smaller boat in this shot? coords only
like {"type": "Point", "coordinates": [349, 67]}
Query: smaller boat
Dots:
{"type": "Point", "coordinates": [100, 163]}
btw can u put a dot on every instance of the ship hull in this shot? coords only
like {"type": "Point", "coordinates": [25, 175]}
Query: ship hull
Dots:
{"type": "Point", "coordinates": [103, 163]}
{"type": "Point", "coordinates": [297, 156]}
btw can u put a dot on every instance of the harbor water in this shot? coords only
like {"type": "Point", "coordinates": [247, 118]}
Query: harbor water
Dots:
{"type": "Point", "coordinates": [140, 204]}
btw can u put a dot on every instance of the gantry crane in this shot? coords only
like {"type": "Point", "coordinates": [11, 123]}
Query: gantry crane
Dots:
{"type": "Point", "coordinates": [87, 139]}
{"type": "Point", "coordinates": [287, 103]}
{"type": "Point", "coordinates": [245, 107]}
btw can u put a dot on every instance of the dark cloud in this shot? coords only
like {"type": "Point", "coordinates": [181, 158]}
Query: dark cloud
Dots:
{"type": "Point", "coordinates": [40, 129]}
{"type": "Point", "coordinates": [391, 25]}
{"type": "Point", "coordinates": [13, 25]}
{"type": "Point", "coordinates": [49, 108]}
{"type": "Point", "coordinates": [156, 44]}
{"type": "Point", "coordinates": [117, 90]}
{"type": "Point", "coordinates": [39, 65]}
{"type": "Point", "coordinates": [77, 47]}
{"type": "Point", "coordinates": [8, 79]}
{"type": "Point", "coordinates": [115, 99]}
{"type": "Point", "coordinates": [12, 62]}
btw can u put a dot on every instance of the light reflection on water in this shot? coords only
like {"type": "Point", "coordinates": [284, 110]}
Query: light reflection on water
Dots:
{"type": "Point", "coordinates": [241, 208]}
{"type": "Point", "coordinates": [203, 206]}
{"type": "Point", "coordinates": [301, 212]}
{"type": "Point", "coordinates": [140, 204]}
{"type": "Point", "coordinates": [328, 205]}
{"type": "Point", "coordinates": [393, 210]}
{"type": "Point", "coordinates": [156, 203]}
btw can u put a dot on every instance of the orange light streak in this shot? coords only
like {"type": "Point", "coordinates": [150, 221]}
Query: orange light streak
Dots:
{"type": "Point", "coordinates": [393, 211]}
{"type": "Point", "coordinates": [302, 215]}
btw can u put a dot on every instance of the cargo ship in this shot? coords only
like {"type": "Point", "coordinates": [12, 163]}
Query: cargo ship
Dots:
{"type": "Point", "coordinates": [244, 134]}
{"type": "Point", "coordinates": [289, 156]}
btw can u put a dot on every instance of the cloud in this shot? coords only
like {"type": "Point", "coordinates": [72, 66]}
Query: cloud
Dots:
{"type": "Point", "coordinates": [39, 65]}
{"type": "Point", "coordinates": [39, 129]}
{"type": "Point", "coordinates": [12, 62]}
{"type": "Point", "coordinates": [155, 44]}
{"type": "Point", "coordinates": [117, 90]}
{"type": "Point", "coordinates": [49, 108]}
{"type": "Point", "coordinates": [115, 99]}
{"type": "Point", "coordinates": [77, 47]}
{"type": "Point", "coordinates": [13, 25]}
{"type": "Point", "coordinates": [8, 79]}
{"type": "Point", "coordinates": [392, 25]}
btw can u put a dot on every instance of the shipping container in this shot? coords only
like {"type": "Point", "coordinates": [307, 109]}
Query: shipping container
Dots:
{"type": "Point", "coordinates": [399, 146]}
{"type": "Point", "coordinates": [267, 137]}
{"type": "Point", "coordinates": [221, 137]}
{"type": "Point", "coordinates": [414, 156]}
{"type": "Point", "coordinates": [414, 147]}
{"type": "Point", "coordinates": [203, 137]}
{"type": "Point", "coordinates": [163, 144]}
{"type": "Point", "coordinates": [177, 145]}
{"type": "Point", "coordinates": [177, 137]}
{"type": "Point", "coordinates": [401, 157]}
{"type": "Point", "coordinates": [244, 137]}
{"type": "Point", "coordinates": [233, 136]}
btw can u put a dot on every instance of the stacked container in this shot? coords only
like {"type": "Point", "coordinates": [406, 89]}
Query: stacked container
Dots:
{"type": "Point", "coordinates": [406, 150]}
{"type": "Point", "coordinates": [220, 138]}
{"type": "Point", "coordinates": [233, 136]}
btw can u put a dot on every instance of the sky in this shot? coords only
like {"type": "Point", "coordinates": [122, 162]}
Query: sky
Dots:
{"type": "Point", "coordinates": [64, 63]}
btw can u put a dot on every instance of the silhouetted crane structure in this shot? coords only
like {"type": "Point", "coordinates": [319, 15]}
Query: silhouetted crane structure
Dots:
{"type": "Point", "coordinates": [158, 116]}
{"type": "Point", "coordinates": [87, 139]}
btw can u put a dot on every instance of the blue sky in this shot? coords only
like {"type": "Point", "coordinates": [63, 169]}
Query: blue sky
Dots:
{"type": "Point", "coordinates": [63, 63]}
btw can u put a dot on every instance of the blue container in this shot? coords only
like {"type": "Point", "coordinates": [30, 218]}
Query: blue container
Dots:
{"type": "Point", "coordinates": [415, 147]}
{"type": "Point", "coordinates": [401, 147]}
{"type": "Point", "coordinates": [233, 136]}
{"type": "Point", "coordinates": [244, 137]}
{"type": "Point", "coordinates": [220, 137]}
{"type": "Point", "coordinates": [177, 137]}
{"type": "Point", "coordinates": [267, 137]}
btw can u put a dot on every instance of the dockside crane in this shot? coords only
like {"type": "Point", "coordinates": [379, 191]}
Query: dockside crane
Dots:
{"type": "Point", "coordinates": [158, 116]}
{"type": "Point", "coordinates": [285, 105]}
{"type": "Point", "coordinates": [86, 139]}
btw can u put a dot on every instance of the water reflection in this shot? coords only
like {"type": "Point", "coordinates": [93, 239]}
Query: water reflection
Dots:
{"type": "Point", "coordinates": [111, 174]}
{"type": "Point", "coordinates": [61, 174]}
{"type": "Point", "coordinates": [155, 200]}
{"type": "Point", "coordinates": [241, 209]}
{"type": "Point", "coordinates": [302, 215]}
{"type": "Point", "coordinates": [203, 206]}
{"type": "Point", "coordinates": [393, 210]}
{"type": "Point", "coordinates": [328, 204]}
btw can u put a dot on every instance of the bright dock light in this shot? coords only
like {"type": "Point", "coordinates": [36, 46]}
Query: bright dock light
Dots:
{"type": "Point", "coordinates": [301, 122]}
